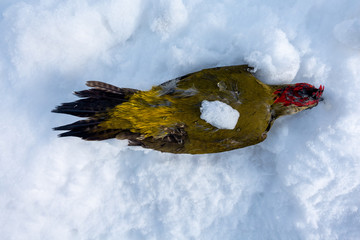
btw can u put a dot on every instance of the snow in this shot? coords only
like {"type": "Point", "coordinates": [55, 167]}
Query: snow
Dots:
{"type": "Point", "coordinates": [219, 114]}
{"type": "Point", "coordinates": [302, 182]}
{"type": "Point", "coordinates": [348, 33]}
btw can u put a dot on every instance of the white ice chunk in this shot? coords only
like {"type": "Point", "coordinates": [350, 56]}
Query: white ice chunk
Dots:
{"type": "Point", "coordinates": [219, 114]}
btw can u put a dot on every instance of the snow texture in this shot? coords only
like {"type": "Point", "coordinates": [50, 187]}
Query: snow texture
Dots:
{"type": "Point", "coordinates": [302, 182]}
{"type": "Point", "coordinates": [219, 114]}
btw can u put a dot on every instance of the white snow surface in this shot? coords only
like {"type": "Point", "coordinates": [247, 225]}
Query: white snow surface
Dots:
{"type": "Point", "coordinates": [302, 182]}
{"type": "Point", "coordinates": [219, 114]}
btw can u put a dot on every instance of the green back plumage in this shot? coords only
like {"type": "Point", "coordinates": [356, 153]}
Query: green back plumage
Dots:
{"type": "Point", "coordinates": [174, 106]}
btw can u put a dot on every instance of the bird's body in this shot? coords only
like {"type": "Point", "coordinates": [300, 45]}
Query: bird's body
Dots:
{"type": "Point", "coordinates": [168, 117]}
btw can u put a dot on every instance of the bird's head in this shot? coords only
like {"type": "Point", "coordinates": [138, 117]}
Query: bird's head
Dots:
{"type": "Point", "coordinates": [297, 97]}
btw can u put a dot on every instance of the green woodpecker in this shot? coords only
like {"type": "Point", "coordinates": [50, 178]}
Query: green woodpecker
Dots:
{"type": "Point", "coordinates": [209, 111]}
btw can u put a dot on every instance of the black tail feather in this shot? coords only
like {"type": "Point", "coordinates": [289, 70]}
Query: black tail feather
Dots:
{"type": "Point", "coordinates": [88, 107]}
{"type": "Point", "coordinates": [92, 136]}
{"type": "Point", "coordinates": [79, 125]}
{"type": "Point", "coordinates": [87, 129]}
{"type": "Point", "coordinates": [94, 104]}
{"type": "Point", "coordinates": [111, 88]}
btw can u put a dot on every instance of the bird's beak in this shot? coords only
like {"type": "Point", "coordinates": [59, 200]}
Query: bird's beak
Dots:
{"type": "Point", "coordinates": [320, 92]}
